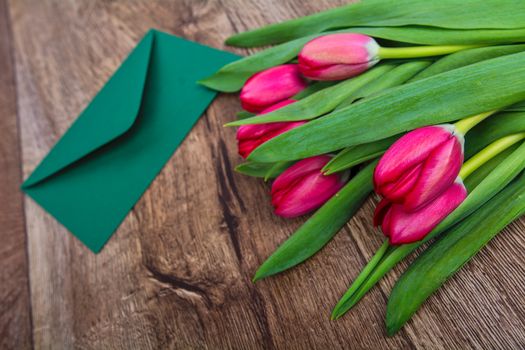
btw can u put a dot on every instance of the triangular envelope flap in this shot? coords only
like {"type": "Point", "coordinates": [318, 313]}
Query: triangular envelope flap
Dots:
{"type": "Point", "coordinates": [109, 115]}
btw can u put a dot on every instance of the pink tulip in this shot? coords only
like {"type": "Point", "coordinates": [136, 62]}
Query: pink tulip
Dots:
{"type": "Point", "coordinates": [420, 166]}
{"type": "Point", "coordinates": [338, 56]}
{"type": "Point", "coordinates": [249, 137]}
{"type": "Point", "coordinates": [404, 227]}
{"type": "Point", "coordinates": [271, 86]}
{"type": "Point", "coordinates": [302, 187]}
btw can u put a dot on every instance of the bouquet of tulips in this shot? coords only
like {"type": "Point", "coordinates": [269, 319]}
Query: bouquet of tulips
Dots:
{"type": "Point", "coordinates": [419, 101]}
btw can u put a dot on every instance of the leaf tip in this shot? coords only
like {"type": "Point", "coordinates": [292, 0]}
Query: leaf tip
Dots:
{"type": "Point", "coordinates": [230, 124]}
{"type": "Point", "coordinates": [237, 40]}
{"type": "Point", "coordinates": [391, 330]}
{"type": "Point", "coordinates": [207, 82]}
{"type": "Point", "coordinates": [231, 40]}
{"type": "Point", "coordinates": [335, 315]}
{"type": "Point", "coordinates": [258, 276]}
{"type": "Point", "coordinates": [328, 171]}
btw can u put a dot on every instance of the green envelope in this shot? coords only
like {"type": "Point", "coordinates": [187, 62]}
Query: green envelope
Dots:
{"type": "Point", "coordinates": [103, 164]}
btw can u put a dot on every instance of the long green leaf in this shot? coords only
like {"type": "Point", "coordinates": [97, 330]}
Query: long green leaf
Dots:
{"type": "Point", "coordinates": [462, 92]}
{"type": "Point", "coordinates": [518, 107]}
{"type": "Point", "coordinates": [354, 155]}
{"type": "Point", "coordinates": [244, 115]}
{"type": "Point", "coordinates": [439, 36]}
{"type": "Point", "coordinates": [498, 179]}
{"type": "Point", "coordinates": [313, 88]}
{"type": "Point", "coordinates": [493, 128]}
{"type": "Point", "coordinates": [466, 57]}
{"type": "Point", "coordinates": [321, 227]}
{"type": "Point", "coordinates": [320, 102]}
{"type": "Point", "coordinates": [276, 170]}
{"type": "Point", "coordinates": [395, 77]}
{"type": "Point", "coordinates": [482, 172]}
{"type": "Point", "coordinates": [459, 14]}
{"type": "Point", "coordinates": [263, 170]}
{"type": "Point", "coordinates": [446, 256]}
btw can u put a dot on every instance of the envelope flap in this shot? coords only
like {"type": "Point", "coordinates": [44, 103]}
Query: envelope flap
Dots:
{"type": "Point", "coordinates": [109, 115]}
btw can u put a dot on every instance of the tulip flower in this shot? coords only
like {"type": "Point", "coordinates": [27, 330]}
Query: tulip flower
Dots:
{"type": "Point", "coordinates": [249, 137]}
{"type": "Point", "coordinates": [338, 56]}
{"type": "Point", "coordinates": [402, 227]}
{"type": "Point", "coordinates": [420, 166]}
{"type": "Point", "coordinates": [344, 55]}
{"type": "Point", "coordinates": [302, 187]}
{"type": "Point", "coordinates": [271, 86]}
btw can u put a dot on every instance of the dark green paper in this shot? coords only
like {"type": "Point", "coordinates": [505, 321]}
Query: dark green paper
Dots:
{"type": "Point", "coordinates": [100, 168]}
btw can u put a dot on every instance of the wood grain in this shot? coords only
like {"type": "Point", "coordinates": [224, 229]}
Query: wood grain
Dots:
{"type": "Point", "coordinates": [15, 317]}
{"type": "Point", "coordinates": [177, 272]}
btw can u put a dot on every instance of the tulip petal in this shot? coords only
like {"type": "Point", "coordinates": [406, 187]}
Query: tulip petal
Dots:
{"type": "Point", "coordinates": [381, 209]}
{"type": "Point", "coordinates": [438, 172]}
{"type": "Point", "coordinates": [336, 71]}
{"type": "Point", "coordinates": [407, 227]}
{"type": "Point", "coordinates": [271, 86]}
{"type": "Point", "coordinates": [307, 194]}
{"type": "Point", "coordinates": [300, 169]}
{"type": "Point", "coordinates": [302, 187]}
{"type": "Point", "coordinates": [343, 48]}
{"type": "Point", "coordinates": [410, 150]}
{"type": "Point", "coordinates": [395, 191]}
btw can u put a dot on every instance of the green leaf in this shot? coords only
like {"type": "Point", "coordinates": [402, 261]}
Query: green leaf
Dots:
{"type": "Point", "coordinates": [498, 179]}
{"type": "Point", "coordinates": [459, 14]}
{"type": "Point", "coordinates": [440, 36]}
{"type": "Point", "coordinates": [474, 179]}
{"type": "Point", "coordinates": [313, 88]}
{"type": "Point", "coordinates": [321, 226]}
{"type": "Point", "coordinates": [518, 107]}
{"type": "Point", "coordinates": [276, 170]}
{"type": "Point", "coordinates": [320, 102]}
{"type": "Point", "coordinates": [493, 128]}
{"type": "Point", "coordinates": [394, 77]}
{"type": "Point", "coordinates": [355, 155]}
{"type": "Point", "coordinates": [244, 115]}
{"type": "Point", "coordinates": [263, 170]}
{"type": "Point", "coordinates": [446, 256]}
{"type": "Point", "coordinates": [466, 57]}
{"type": "Point", "coordinates": [441, 98]}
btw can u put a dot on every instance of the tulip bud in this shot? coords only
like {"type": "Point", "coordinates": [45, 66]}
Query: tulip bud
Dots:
{"type": "Point", "coordinates": [404, 227]}
{"type": "Point", "coordinates": [420, 166]}
{"type": "Point", "coordinates": [302, 187]}
{"type": "Point", "coordinates": [249, 137]}
{"type": "Point", "coordinates": [271, 86]}
{"type": "Point", "coordinates": [338, 56]}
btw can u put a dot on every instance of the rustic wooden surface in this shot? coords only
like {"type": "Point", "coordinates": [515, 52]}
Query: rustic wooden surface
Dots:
{"type": "Point", "coordinates": [177, 272]}
{"type": "Point", "coordinates": [15, 317]}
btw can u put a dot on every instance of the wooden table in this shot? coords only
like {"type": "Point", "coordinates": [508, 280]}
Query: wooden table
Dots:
{"type": "Point", "coordinates": [177, 272]}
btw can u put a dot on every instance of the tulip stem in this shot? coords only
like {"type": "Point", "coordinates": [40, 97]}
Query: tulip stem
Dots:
{"type": "Point", "coordinates": [464, 125]}
{"type": "Point", "coordinates": [488, 153]}
{"type": "Point", "coordinates": [421, 51]}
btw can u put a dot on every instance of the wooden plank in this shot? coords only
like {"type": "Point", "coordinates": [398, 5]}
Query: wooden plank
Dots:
{"type": "Point", "coordinates": [15, 318]}
{"type": "Point", "coordinates": [177, 273]}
